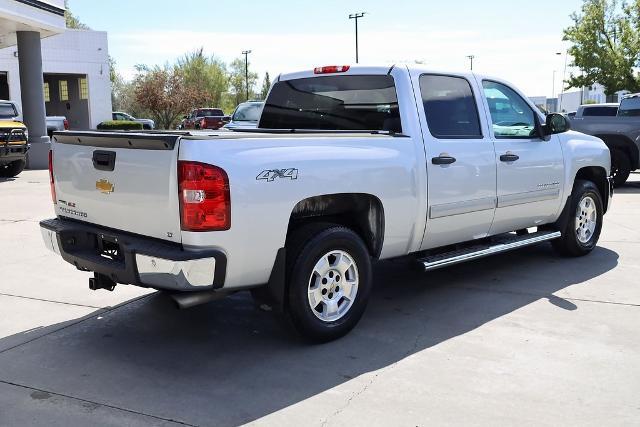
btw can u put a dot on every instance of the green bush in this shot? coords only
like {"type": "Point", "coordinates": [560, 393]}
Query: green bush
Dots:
{"type": "Point", "coordinates": [119, 125]}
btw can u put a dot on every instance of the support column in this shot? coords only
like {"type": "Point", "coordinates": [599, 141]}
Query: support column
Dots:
{"type": "Point", "coordinates": [33, 108]}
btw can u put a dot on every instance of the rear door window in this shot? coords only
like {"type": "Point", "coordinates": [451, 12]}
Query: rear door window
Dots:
{"type": "Point", "coordinates": [347, 102]}
{"type": "Point", "coordinates": [450, 107]}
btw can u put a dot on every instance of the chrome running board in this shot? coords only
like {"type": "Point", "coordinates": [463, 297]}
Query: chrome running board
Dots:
{"type": "Point", "coordinates": [499, 244]}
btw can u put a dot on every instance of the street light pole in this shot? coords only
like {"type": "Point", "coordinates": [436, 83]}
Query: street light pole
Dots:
{"type": "Point", "coordinates": [357, 16]}
{"type": "Point", "coordinates": [246, 70]}
{"type": "Point", "coordinates": [471, 58]}
{"type": "Point", "coordinates": [564, 76]}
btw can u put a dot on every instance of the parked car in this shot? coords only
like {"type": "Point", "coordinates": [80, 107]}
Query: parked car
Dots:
{"type": "Point", "coordinates": [147, 124]}
{"type": "Point", "coordinates": [246, 115]}
{"type": "Point", "coordinates": [13, 140]}
{"type": "Point", "coordinates": [205, 118]}
{"type": "Point", "coordinates": [619, 127]}
{"type": "Point", "coordinates": [350, 165]}
{"type": "Point", "coordinates": [56, 124]}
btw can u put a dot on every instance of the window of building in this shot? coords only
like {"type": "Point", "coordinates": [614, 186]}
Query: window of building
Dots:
{"type": "Point", "coordinates": [47, 96]}
{"type": "Point", "coordinates": [84, 88]}
{"type": "Point", "coordinates": [64, 90]}
{"type": "Point", "coordinates": [450, 107]}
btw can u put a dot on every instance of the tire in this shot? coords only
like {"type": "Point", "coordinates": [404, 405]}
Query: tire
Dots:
{"type": "Point", "coordinates": [322, 307]}
{"type": "Point", "coordinates": [620, 167]}
{"type": "Point", "coordinates": [582, 230]}
{"type": "Point", "coordinates": [12, 169]}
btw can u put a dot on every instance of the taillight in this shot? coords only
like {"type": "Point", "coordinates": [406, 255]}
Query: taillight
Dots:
{"type": "Point", "coordinates": [51, 180]}
{"type": "Point", "coordinates": [205, 201]}
{"type": "Point", "coordinates": [331, 69]}
{"type": "Point", "coordinates": [66, 124]}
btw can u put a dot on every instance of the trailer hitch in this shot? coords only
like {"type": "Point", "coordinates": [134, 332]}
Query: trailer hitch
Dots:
{"type": "Point", "coordinates": [100, 281]}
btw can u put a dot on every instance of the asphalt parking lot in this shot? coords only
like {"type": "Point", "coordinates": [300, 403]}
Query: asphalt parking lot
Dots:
{"type": "Point", "coordinates": [523, 338]}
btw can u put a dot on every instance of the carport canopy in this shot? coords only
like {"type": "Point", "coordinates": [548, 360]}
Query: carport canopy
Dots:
{"type": "Point", "coordinates": [24, 23]}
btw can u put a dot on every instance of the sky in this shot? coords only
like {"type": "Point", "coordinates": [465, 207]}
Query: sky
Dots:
{"type": "Point", "coordinates": [513, 39]}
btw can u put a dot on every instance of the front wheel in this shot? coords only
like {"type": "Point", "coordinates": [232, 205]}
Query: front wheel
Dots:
{"type": "Point", "coordinates": [329, 281]}
{"type": "Point", "coordinates": [582, 230]}
{"type": "Point", "coordinates": [12, 169]}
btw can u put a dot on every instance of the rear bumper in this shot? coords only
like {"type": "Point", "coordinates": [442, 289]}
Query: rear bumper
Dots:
{"type": "Point", "coordinates": [131, 259]}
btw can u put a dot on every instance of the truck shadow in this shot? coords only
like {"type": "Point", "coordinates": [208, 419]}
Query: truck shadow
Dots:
{"type": "Point", "coordinates": [228, 362]}
{"type": "Point", "coordinates": [630, 187]}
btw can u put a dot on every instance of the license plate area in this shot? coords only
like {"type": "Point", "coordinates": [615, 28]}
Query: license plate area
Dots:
{"type": "Point", "coordinates": [109, 248]}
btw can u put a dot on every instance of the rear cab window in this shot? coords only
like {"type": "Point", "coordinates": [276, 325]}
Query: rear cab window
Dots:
{"type": "Point", "coordinates": [344, 102]}
{"type": "Point", "coordinates": [209, 112]}
{"type": "Point", "coordinates": [599, 111]}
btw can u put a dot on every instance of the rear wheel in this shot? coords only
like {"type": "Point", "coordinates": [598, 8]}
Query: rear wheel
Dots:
{"type": "Point", "coordinates": [329, 281]}
{"type": "Point", "coordinates": [582, 230]}
{"type": "Point", "coordinates": [12, 169]}
{"type": "Point", "coordinates": [620, 167]}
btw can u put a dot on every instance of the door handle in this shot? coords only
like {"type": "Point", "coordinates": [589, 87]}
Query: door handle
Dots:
{"type": "Point", "coordinates": [443, 159]}
{"type": "Point", "coordinates": [509, 157]}
{"type": "Point", "coordinates": [104, 160]}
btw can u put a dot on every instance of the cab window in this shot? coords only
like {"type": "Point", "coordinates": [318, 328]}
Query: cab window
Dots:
{"type": "Point", "coordinates": [450, 107]}
{"type": "Point", "coordinates": [511, 116]}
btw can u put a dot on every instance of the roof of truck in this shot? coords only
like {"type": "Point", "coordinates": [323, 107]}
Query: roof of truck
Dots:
{"type": "Point", "coordinates": [605, 104]}
{"type": "Point", "coordinates": [369, 69]}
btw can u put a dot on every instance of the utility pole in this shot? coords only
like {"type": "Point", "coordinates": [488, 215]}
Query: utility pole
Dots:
{"type": "Point", "coordinates": [246, 70]}
{"type": "Point", "coordinates": [471, 58]}
{"type": "Point", "coordinates": [357, 16]}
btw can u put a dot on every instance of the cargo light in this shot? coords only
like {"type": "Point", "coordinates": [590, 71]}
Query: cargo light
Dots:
{"type": "Point", "coordinates": [205, 201]}
{"type": "Point", "coordinates": [331, 69]}
{"type": "Point", "coordinates": [52, 182]}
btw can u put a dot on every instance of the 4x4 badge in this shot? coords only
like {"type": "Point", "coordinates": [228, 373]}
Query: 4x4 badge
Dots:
{"type": "Point", "coordinates": [104, 186]}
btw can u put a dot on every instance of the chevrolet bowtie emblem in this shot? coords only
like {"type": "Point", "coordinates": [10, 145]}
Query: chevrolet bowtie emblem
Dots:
{"type": "Point", "coordinates": [104, 186]}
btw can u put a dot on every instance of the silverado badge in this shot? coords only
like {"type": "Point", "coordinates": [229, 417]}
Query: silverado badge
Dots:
{"type": "Point", "coordinates": [104, 186]}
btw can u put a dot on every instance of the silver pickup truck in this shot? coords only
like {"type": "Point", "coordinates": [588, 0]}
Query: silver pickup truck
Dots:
{"type": "Point", "coordinates": [349, 165]}
{"type": "Point", "coordinates": [619, 127]}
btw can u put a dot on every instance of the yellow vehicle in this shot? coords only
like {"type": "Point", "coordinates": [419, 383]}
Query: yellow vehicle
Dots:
{"type": "Point", "coordinates": [13, 141]}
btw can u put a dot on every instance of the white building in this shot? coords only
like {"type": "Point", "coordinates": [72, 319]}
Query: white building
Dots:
{"type": "Point", "coordinates": [75, 66]}
{"type": "Point", "coordinates": [570, 101]}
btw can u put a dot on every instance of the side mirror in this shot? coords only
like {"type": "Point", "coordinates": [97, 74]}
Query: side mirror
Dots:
{"type": "Point", "coordinates": [556, 123]}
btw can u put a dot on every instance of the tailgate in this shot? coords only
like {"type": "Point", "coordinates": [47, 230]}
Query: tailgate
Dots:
{"type": "Point", "coordinates": [123, 181]}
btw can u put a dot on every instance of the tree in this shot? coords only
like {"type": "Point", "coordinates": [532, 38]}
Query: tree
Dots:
{"type": "Point", "coordinates": [237, 80]}
{"type": "Point", "coordinates": [266, 85]}
{"type": "Point", "coordinates": [165, 94]}
{"type": "Point", "coordinates": [71, 20]}
{"type": "Point", "coordinates": [606, 45]}
{"type": "Point", "coordinates": [208, 74]}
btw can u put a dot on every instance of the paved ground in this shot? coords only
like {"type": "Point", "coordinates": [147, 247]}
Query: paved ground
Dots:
{"type": "Point", "coordinates": [523, 338]}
